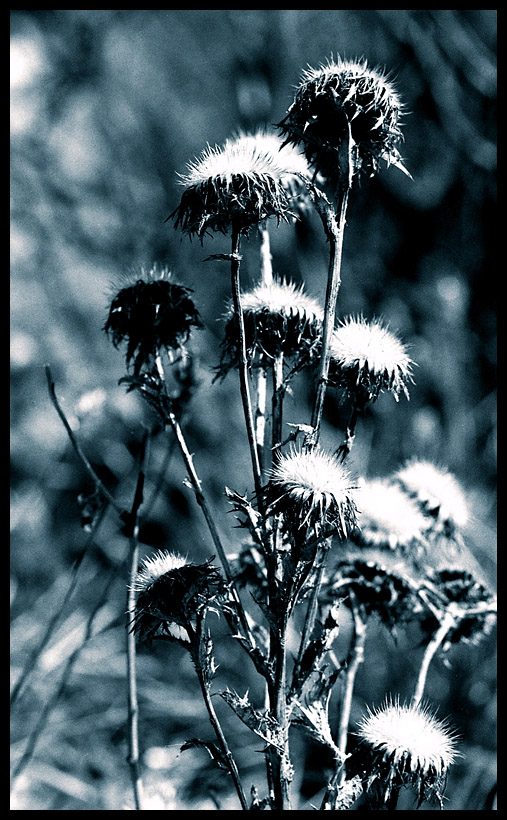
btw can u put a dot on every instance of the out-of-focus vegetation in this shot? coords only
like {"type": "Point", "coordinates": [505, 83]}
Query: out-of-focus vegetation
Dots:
{"type": "Point", "coordinates": [106, 108]}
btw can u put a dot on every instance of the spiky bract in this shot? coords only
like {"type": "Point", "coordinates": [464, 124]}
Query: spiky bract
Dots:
{"type": "Point", "coordinates": [279, 318]}
{"type": "Point", "coordinates": [367, 358]}
{"type": "Point", "coordinates": [240, 184]}
{"type": "Point", "coordinates": [438, 493]}
{"type": "Point", "coordinates": [150, 315]}
{"type": "Point", "coordinates": [170, 593]}
{"type": "Point", "coordinates": [404, 746]}
{"type": "Point", "coordinates": [388, 519]}
{"type": "Point", "coordinates": [339, 95]}
{"type": "Point", "coordinates": [313, 490]}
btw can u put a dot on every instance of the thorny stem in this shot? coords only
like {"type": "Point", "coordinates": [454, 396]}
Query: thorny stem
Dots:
{"type": "Point", "coordinates": [312, 609]}
{"type": "Point", "coordinates": [196, 639]}
{"type": "Point", "coordinates": [133, 710]}
{"type": "Point", "coordinates": [280, 757]}
{"type": "Point", "coordinates": [77, 447]}
{"type": "Point", "coordinates": [196, 485]}
{"type": "Point", "coordinates": [333, 220]}
{"type": "Point", "coordinates": [447, 622]}
{"type": "Point", "coordinates": [243, 364]}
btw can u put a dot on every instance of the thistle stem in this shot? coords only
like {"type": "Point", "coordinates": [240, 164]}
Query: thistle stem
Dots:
{"type": "Point", "coordinates": [334, 227]}
{"type": "Point", "coordinates": [277, 406]}
{"type": "Point", "coordinates": [243, 363]}
{"type": "Point", "coordinates": [312, 609]}
{"type": "Point", "coordinates": [355, 659]}
{"type": "Point", "coordinates": [447, 622]}
{"type": "Point", "coordinates": [133, 709]}
{"type": "Point", "coordinates": [196, 639]}
{"type": "Point", "coordinates": [345, 448]}
{"type": "Point", "coordinates": [260, 414]}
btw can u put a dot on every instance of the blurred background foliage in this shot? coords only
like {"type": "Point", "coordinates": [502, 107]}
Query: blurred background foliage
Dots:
{"type": "Point", "coordinates": [106, 108]}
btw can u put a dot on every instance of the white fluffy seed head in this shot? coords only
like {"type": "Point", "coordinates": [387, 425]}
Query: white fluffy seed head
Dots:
{"type": "Point", "coordinates": [155, 566]}
{"type": "Point", "coordinates": [387, 517]}
{"type": "Point", "coordinates": [412, 735]}
{"type": "Point", "coordinates": [316, 472]}
{"type": "Point", "coordinates": [281, 297]}
{"type": "Point", "coordinates": [370, 346]}
{"type": "Point", "coordinates": [436, 490]}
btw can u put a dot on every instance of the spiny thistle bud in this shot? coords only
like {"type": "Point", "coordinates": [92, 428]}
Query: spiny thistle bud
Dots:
{"type": "Point", "coordinates": [339, 96]}
{"type": "Point", "coordinates": [171, 592]}
{"type": "Point", "coordinates": [403, 746]}
{"type": "Point", "coordinates": [388, 519]}
{"type": "Point", "coordinates": [150, 315]}
{"type": "Point", "coordinates": [279, 318]}
{"type": "Point", "coordinates": [474, 605]}
{"type": "Point", "coordinates": [367, 358]}
{"type": "Point", "coordinates": [241, 184]}
{"type": "Point", "coordinates": [313, 491]}
{"type": "Point", "coordinates": [439, 495]}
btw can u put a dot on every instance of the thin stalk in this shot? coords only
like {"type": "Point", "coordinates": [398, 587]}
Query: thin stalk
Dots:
{"type": "Point", "coordinates": [334, 227]}
{"type": "Point", "coordinates": [312, 609]}
{"type": "Point", "coordinates": [447, 622]}
{"type": "Point", "coordinates": [243, 364]}
{"type": "Point", "coordinates": [277, 406]}
{"type": "Point", "coordinates": [133, 709]}
{"type": "Point", "coordinates": [196, 638]}
{"type": "Point", "coordinates": [260, 414]}
{"type": "Point", "coordinates": [266, 258]}
{"type": "Point", "coordinates": [77, 447]}
{"type": "Point", "coordinates": [345, 448]}
{"type": "Point", "coordinates": [280, 757]}
{"type": "Point", "coordinates": [356, 658]}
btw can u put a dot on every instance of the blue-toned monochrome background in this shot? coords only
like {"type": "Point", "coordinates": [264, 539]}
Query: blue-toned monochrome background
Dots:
{"type": "Point", "coordinates": [106, 107]}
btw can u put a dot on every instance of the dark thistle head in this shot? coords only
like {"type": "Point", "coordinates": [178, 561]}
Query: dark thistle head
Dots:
{"type": "Point", "coordinates": [338, 99]}
{"type": "Point", "coordinates": [171, 592]}
{"type": "Point", "coordinates": [279, 319]}
{"type": "Point", "coordinates": [150, 315]}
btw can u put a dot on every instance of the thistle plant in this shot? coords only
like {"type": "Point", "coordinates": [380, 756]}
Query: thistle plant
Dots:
{"type": "Point", "coordinates": [316, 544]}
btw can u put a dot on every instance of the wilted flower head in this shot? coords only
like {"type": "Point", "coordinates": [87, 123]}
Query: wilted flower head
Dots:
{"type": "Point", "coordinates": [240, 184]}
{"type": "Point", "coordinates": [387, 518]}
{"type": "Point", "coordinates": [380, 588]}
{"type": "Point", "coordinates": [279, 318]}
{"type": "Point", "coordinates": [438, 493]}
{"type": "Point", "coordinates": [313, 490]}
{"type": "Point", "coordinates": [402, 745]}
{"type": "Point", "coordinates": [170, 593]}
{"type": "Point", "coordinates": [367, 358]}
{"type": "Point", "coordinates": [473, 604]}
{"type": "Point", "coordinates": [151, 314]}
{"type": "Point", "coordinates": [339, 95]}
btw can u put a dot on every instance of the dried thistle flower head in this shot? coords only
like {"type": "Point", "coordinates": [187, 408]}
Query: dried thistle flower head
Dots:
{"type": "Point", "coordinates": [313, 490]}
{"type": "Point", "coordinates": [336, 97]}
{"type": "Point", "coordinates": [279, 318]}
{"type": "Point", "coordinates": [438, 493]}
{"type": "Point", "coordinates": [151, 314]}
{"type": "Point", "coordinates": [367, 358]}
{"type": "Point", "coordinates": [380, 588]}
{"type": "Point", "coordinates": [473, 604]}
{"type": "Point", "coordinates": [388, 519]}
{"type": "Point", "coordinates": [170, 592]}
{"type": "Point", "coordinates": [240, 184]}
{"type": "Point", "coordinates": [404, 746]}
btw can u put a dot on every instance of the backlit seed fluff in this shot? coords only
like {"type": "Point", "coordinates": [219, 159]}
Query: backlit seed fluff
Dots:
{"type": "Point", "coordinates": [367, 358]}
{"type": "Point", "coordinates": [387, 518]}
{"type": "Point", "coordinates": [313, 490]}
{"type": "Point", "coordinates": [240, 184]}
{"type": "Point", "coordinates": [170, 591]}
{"type": "Point", "coordinates": [438, 493]}
{"type": "Point", "coordinates": [279, 318]}
{"type": "Point", "coordinates": [404, 745]}
{"type": "Point", "coordinates": [339, 95]}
